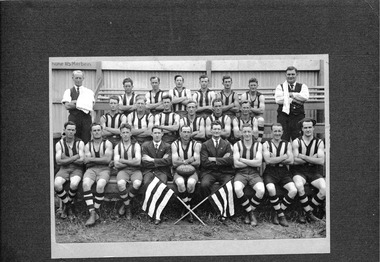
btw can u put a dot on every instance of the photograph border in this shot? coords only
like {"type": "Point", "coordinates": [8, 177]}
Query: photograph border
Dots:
{"type": "Point", "coordinates": [181, 248]}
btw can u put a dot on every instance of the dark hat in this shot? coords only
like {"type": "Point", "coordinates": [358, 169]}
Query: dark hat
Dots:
{"type": "Point", "coordinates": [306, 119]}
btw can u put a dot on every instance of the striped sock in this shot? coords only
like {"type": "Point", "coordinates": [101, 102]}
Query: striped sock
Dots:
{"type": "Point", "coordinates": [255, 201]}
{"type": "Point", "coordinates": [63, 196]}
{"type": "Point", "coordinates": [305, 203]}
{"type": "Point", "coordinates": [99, 197]}
{"type": "Point", "coordinates": [88, 198]}
{"type": "Point", "coordinates": [275, 201]}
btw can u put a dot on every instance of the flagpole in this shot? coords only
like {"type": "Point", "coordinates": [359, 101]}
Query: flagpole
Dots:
{"type": "Point", "coordinates": [191, 210]}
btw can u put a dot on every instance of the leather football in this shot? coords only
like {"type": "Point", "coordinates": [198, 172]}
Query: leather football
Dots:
{"type": "Point", "coordinates": [185, 170]}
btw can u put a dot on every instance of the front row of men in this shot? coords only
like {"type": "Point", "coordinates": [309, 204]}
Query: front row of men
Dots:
{"type": "Point", "coordinates": [214, 160]}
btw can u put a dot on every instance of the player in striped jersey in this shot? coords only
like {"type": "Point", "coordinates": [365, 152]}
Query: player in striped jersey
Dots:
{"type": "Point", "coordinates": [247, 161]}
{"type": "Point", "coordinates": [255, 98]}
{"type": "Point", "coordinates": [185, 151]}
{"type": "Point", "coordinates": [180, 96]}
{"type": "Point", "coordinates": [154, 96]}
{"type": "Point", "coordinates": [309, 158]}
{"type": "Point", "coordinates": [127, 100]}
{"type": "Point", "coordinates": [111, 122]}
{"type": "Point", "coordinates": [197, 123]}
{"type": "Point", "coordinates": [168, 121]}
{"type": "Point", "coordinates": [127, 161]}
{"type": "Point", "coordinates": [246, 118]}
{"type": "Point", "coordinates": [230, 98]}
{"type": "Point", "coordinates": [98, 155]}
{"type": "Point", "coordinates": [141, 121]}
{"type": "Point", "coordinates": [69, 156]}
{"type": "Point", "coordinates": [277, 154]}
{"type": "Point", "coordinates": [204, 97]}
{"type": "Point", "coordinates": [217, 105]}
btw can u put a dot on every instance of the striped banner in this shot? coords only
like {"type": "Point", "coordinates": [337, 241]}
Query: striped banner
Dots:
{"type": "Point", "coordinates": [223, 200]}
{"type": "Point", "coordinates": [156, 197]}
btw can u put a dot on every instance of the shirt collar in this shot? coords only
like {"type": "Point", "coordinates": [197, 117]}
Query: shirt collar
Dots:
{"type": "Point", "coordinates": [157, 143]}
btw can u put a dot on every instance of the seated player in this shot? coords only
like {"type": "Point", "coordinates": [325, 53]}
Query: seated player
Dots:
{"type": "Point", "coordinates": [185, 151]}
{"type": "Point", "coordinates": [247, 161]}
{"type": "Point", "coordinates": [277, 155]}
{"type": "Point", "coordinates": [156, 160]}
{"type": "Point", "coordinates": [245, 118]}
{"type": "Point", "coordinates": [141, 121]}
{"type": "Point", "coordinates": [309, 158]}
{"type": "Point", "coordinates": [216, 161]}
{"type": "Point", "coordinates": [69, 156]}
{"type": "Point", "coordinates": [127, 161]}
{"type": "Point", "coordinates": [168, 121]}
{"type": "Point", "coordinates": [98, 155]}
{"type": "Point", "coordinates": [197, 123]}
{"type": "Point", "coordinates": [204, 97]}
{"type": "Point", "coordinates": [225, 120]}
{"type": "Point", "coordinates": [111, 122]}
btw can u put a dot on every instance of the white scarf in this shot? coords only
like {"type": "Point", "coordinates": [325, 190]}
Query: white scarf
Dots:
{"type": "Point", "coordinates": [287, 100]}
{"type": "Point", "coordinates": [85, 100]}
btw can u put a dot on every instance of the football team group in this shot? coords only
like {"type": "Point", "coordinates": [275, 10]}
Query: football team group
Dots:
{"type": "Point", "coordinates": [194, 139]}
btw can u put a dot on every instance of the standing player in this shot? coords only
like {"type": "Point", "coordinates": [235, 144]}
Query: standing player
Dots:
{"type": "Point", "coordinates": [277, 154]}
{"type": "Point", "coordinates": [168, 121]}
{"type": "Point", "coordinates": [111, 122]}
{"type": "Point", "coordinates": [185, 151]}
{"type": "Point", "coordinates": [141, 121]}
{"type": "Point", "coordinates": [230, 98]}
{"type": "Point", "coordinates": [197, 123]}
{"type": "Point", "coordinates": [127, 161]}
{"type": "Point", "coordinates": [309, 158]}
{"type": "Point", "coordinates": [257, 103]}
{"type": "Point", "coordinates": [127, 100]}
{"type": "Point", "coordinates": [154, 96]}
{"type": "Point", "coordinates": [98, 155]}
{"type": "Point", "coordinates": [180, 96]}
{"type": "Point", "coordinates": [246, 118]}
{"type": "Point", "coordinates": [247, 161]}
{"type": "Point", "coordinates": [204, 97]}
{"type": "Point", "coordinates": [69, 156]}
{"type": "Point", "coordinates": [79, 101]}
{"type": "Point", "coordinates": [290, 97]}
{"type": "Point", "coordinates": [156, 160]}
{"type": "Point", "coordinates": [225, 120]}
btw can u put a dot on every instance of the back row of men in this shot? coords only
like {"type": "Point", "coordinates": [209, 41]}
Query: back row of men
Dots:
{"type": "Point", "coordinates": [214, 160]}
{"type": "Point", "coordinates": [290, 97]}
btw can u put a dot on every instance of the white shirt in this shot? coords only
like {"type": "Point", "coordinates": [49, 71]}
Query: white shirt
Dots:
{"type": "Point", "coordinates": [216, 141]}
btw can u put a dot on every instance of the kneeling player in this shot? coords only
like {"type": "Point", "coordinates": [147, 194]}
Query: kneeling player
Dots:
{"type": "Point", "coordinates": [69, 156]}
{"type": "Point", "coordinates": [309, 157]}
{"type": "Point", "coordinates": [277, 154]}
{"type": "Point", "coordinates": [186, 152]}
{"type": "Point", "coordinates": [98, 155]}
{"type": "Point", "coordinates": [247, 160]}
{"type": "Point", "coordinates": [127, 161]}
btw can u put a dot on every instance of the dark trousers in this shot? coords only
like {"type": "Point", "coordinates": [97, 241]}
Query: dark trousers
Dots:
{"type": "Point", "coordinates": [290, 125]}
{"type": "Point", "coordinates": [209, 179]}
{"type": "Point", "coordinates": [83, 125]}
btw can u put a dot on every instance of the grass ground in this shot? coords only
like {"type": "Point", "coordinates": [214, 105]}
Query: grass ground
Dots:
{"type": "Point", "coordinates": [112, 228]}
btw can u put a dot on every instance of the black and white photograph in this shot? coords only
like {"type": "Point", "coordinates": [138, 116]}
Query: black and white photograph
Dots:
{"type": "Point", "coordinates": [189, 130]}
{"type": "Point", "coordinates": [204, 151]}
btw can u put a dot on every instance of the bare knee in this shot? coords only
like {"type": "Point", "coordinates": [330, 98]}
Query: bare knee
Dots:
{"type": "Point", "coordinates": [191, 185]}
{"type": "Point", "coordinates": [271, 189]}
{"type": "Point", "coordinates": [58, 184]}
{"type": "Point", "coordinates": [260, 190]}
{"type": "Point", "coordinates": [100, 185]}
{"type": "Point", "coordinates": [239, 189]}
{"type": "Point", "coordinates": [122, 185]}
{"type": "Point", "coordinates": [136, 184]}
{"type": "Point", "coordinates": [292, 192]}
{"type": "Point", "coordinates": [87, 184]}
{"type": "Point", "coordinates": [74, 182]}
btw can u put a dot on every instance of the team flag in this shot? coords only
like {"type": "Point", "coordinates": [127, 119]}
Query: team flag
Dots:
{"type": "Point", "coordinates": [223, 200]}
{"type": "Point", "coordinates": [156, 197]}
